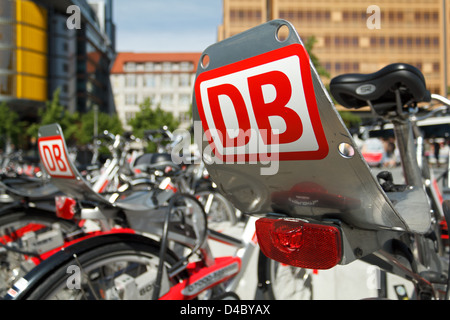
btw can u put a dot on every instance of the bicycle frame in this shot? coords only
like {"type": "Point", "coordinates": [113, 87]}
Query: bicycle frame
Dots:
{"type": "Point", "coordinates": [212, 271]}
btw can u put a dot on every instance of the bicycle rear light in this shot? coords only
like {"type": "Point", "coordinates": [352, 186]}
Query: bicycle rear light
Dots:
{"type": "Point", "coordinates": [298, 243]}
{"type": "Point", "coordinates": [65, 207]}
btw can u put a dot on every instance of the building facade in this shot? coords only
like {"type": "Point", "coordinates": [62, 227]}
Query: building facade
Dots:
{"type": "Point", "coordinates": [40, 52]}
{"type": "Point", "coordinates": [356, 36]}
{"type": "Point", "coordinates": [167, 79]}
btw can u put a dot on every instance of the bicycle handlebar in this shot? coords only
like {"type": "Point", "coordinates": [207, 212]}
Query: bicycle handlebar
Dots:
{"type": "Point", "coordinates": [441, 99]}
{"type": "Point", "coordinates": [441, 109]}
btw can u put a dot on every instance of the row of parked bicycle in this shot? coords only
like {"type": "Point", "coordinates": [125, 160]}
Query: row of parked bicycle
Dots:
{"type": "Point", "coordinates": [116, 222]}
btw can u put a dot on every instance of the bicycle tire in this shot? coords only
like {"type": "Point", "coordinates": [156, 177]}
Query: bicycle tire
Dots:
{"type": "Point", "coordinates": [13, 261]}
{"type": "Point", "coordinates": [282, 282]}
{"type": "Point", "coordinates": [132, 256]}
{"type": "Point", "coordinates": [222, 209]}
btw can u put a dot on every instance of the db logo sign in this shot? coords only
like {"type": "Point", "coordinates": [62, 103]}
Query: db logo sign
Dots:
{"type": "Point", "coordinates": [262, 104]}
{"type": "Point", "coordinates": [54, 157]}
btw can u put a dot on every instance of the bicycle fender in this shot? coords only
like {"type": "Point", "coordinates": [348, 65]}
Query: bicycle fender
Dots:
{"type": "Point", "coordinates": [23, 286]}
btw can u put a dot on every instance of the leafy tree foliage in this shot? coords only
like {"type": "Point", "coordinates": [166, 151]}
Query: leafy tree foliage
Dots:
{"type": "Point", "coordinates": [54, 112]}
{"type": "Point", "coordinates": [151, 117]}
{"type": "Point", "coordinates": [104, 122]}
{"type": "Point", "coordinates": [351, 120]}
{"type": "Point", "coordinates": [10, 126]}
{"type": "Point", "coordinates": [309, 45]}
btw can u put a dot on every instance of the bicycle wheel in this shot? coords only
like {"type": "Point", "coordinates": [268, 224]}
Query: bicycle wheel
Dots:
{"type": "Point", "coordinates": [283, 282]}
{"type": "Point", "coordinates": [24, 235]}
{"type": "Point", "coordinates": [113, 271]}
{"type": "Point", "coordinates": [217, 207]}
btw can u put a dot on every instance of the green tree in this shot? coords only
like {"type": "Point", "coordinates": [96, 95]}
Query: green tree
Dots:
{"type": "Point", "coordinates": [54, 112]}
{"type": "Point", "coordinates": [151, 117]}
{"type": "Point", "coordinates": [104, 122]}
{"type": "Point", "coordinates": [309, 45]}
{"type": "Point", "coordinates": [351, 120]}
{"type": "Point", "coordinates": [10, 126]}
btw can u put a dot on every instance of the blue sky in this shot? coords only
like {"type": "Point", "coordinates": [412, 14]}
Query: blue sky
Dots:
{"type": "Point", "coordinates": [166, 25]}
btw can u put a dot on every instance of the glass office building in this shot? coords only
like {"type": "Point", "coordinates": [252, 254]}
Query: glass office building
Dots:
{"type": "Point", "coordinates": [40, 53]}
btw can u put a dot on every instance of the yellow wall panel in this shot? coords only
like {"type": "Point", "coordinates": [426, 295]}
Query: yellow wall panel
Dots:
{"type": "Point", "coordinates": [32, 13]}
{"type": "Point", "coordinates": [34, 39]}
{"type": "Point", "coordinates": [31, 55]}
{"type": "Point", "coordinates": [34, 63]}
{"type": "Point", "coordinates": [34, 88]}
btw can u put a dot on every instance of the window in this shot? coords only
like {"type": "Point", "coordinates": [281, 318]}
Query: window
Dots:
{"type": "Point", "coordinates": [166, 80]}
{"type": "Point", "coordinates": [184, 80]}
{"type": "Point", "coordinates": [166, 100]}
{"type": "Point", "coordinates": [7, 59]}
{"type": "Point", "coordinates": [130, 81]}
{"type": "Point", "coordinates": [167, 66]}
{"type": "Point", "coordinates": [436, 67]}
{"type": "Point", "coordinates": [149, 81]}
{"type": "Point", "coordinates": [186, 66]}
{"type": "Point", "coordinates": [130, 99]}
{"type": "Point", "coordinates": [129, 115]}
{"type": "Point", "coordinates": [184, 116]}
{"type": "Point", "coordinates": [140, 67]}
{"type": "Point", "coordinates": [184, 100]}
{"type": "Point", "coordinates": [435, 41]}
{"type": "Point", "coordinates": [149, 66]}
{"type": "Point", "coordinates": [130, 66]}
{"type": "Point", "coordinates": [409, 42]}
{"type": "Point", "coordinates": [6, 85]}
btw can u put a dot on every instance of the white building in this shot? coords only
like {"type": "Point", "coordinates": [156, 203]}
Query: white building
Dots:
{"type": "Point", "coordinates": [166, 78]}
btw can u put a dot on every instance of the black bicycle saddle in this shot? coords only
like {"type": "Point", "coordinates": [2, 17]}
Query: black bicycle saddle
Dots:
{"type": "Point", "coordinates": [355, 90]}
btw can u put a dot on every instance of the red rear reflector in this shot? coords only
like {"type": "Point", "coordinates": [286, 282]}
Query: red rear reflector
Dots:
{"type": "Point", "coordinates": [65, 207]}
{"type": "Point", "coordinates": [299, 244]}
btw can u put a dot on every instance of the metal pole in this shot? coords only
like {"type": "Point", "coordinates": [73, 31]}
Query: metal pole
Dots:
{"type": "Point", "coordinates": [95, 131]}
{"type": "Point", "coordinates": [444, 8]}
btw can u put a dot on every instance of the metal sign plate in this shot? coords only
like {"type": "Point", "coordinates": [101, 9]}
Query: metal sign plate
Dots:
{"type": "Point", "coordinates": [242, 103]}
{"type": "Point", "coordinates": [54, 157]}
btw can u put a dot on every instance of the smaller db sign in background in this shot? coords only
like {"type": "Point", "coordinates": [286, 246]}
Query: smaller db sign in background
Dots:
{"type": "Point", "coordinates": [54, 157]}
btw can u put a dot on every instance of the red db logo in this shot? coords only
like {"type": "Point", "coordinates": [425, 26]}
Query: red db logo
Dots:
{"type": "Point", "coordinates": [53, 156]}
{"type": "Point", "coordinates": [261, 102]}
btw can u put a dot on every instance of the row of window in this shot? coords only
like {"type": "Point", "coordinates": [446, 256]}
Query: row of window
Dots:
{"type": "Point", "coordinates": [408, 42]}
{"type": "Point", "coordinates": [354, 67]}
{"type": "Point", "coordinates": [158, 80]}
{"type": "Point", "coordinates": [182, 116]}
{"type": "Point", "coordinates": [237, 15]}
{"type": "Point", "coordinates": [166, 100]}
{"type": "Point", "coordinates": [390, 41]}
{"type": "Point", "coordinates": [159, 66]}
{"type": "Point", "coordinates": [360, 15]}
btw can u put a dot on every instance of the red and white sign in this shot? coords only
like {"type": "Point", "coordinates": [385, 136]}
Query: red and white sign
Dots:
{"type": "Point", "coordinates": [264, 101]}
{"type": "Point", "coordinates": [54, 157]}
